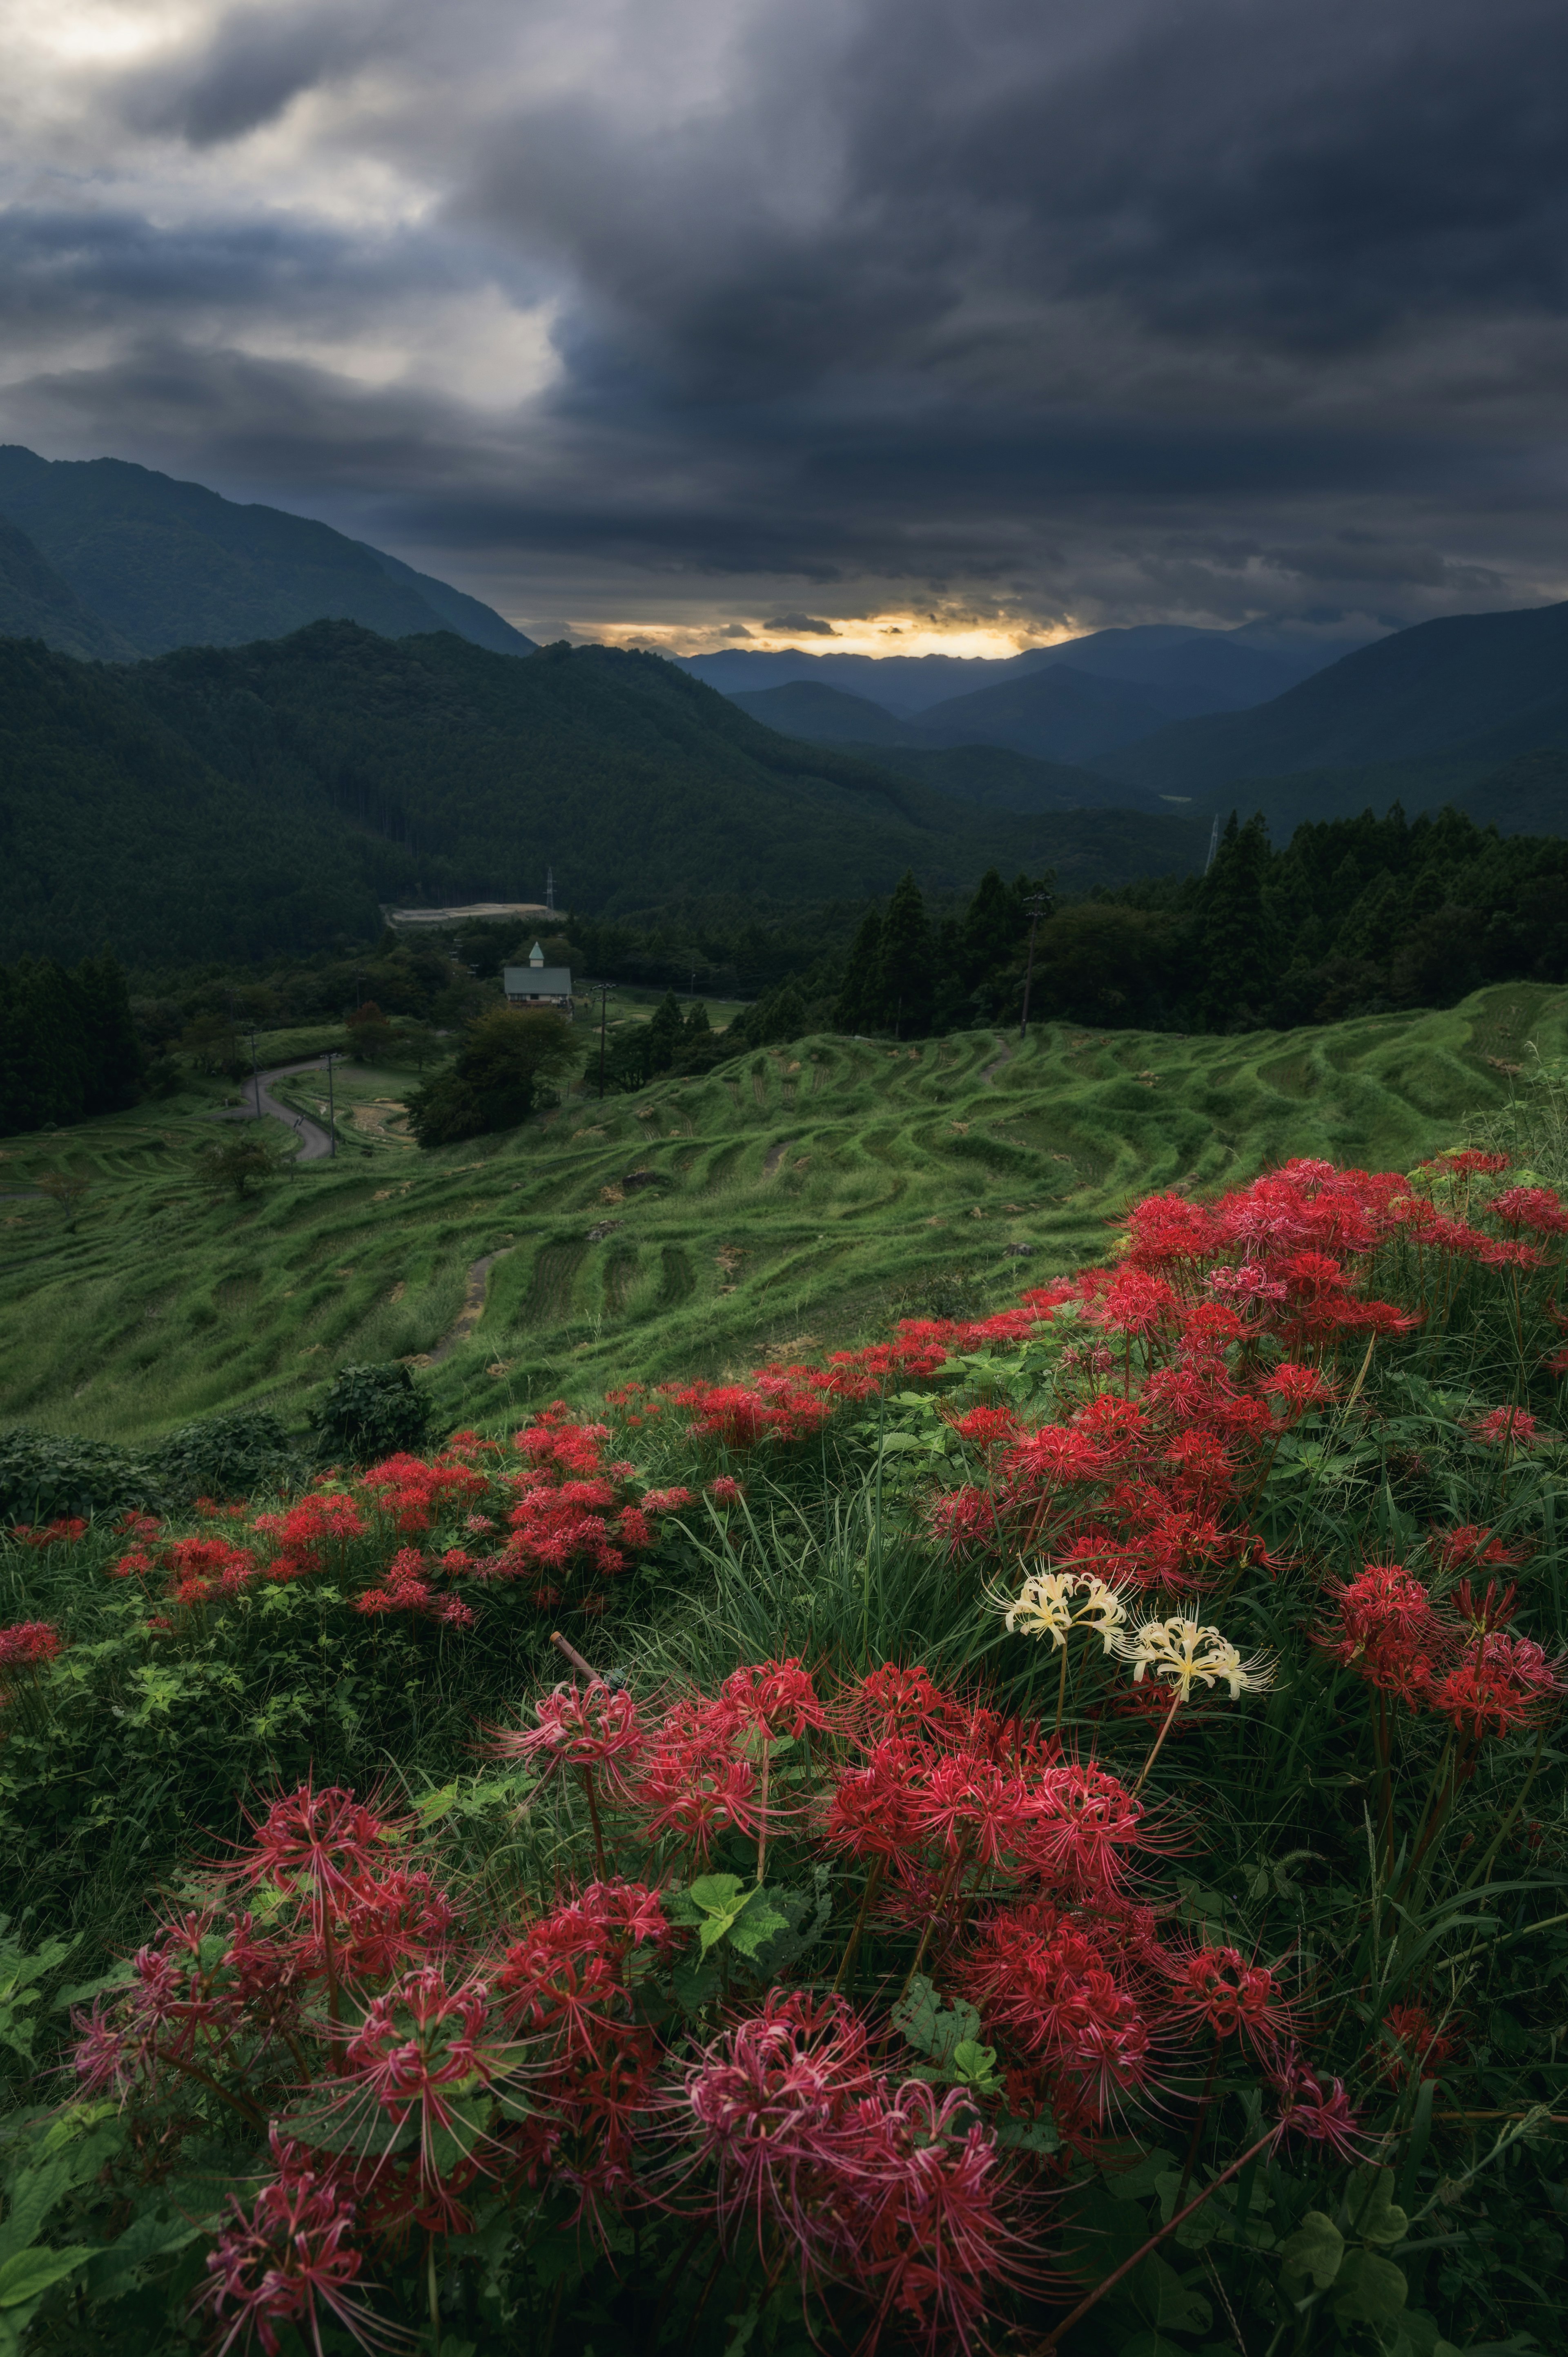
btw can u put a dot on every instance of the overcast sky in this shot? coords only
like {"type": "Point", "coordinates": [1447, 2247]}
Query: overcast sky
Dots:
{"type": "Point", "coordinates": [668, 318]}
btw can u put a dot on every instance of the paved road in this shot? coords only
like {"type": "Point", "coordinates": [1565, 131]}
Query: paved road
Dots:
{"type": "Point", "coordinates": [314, 1143]}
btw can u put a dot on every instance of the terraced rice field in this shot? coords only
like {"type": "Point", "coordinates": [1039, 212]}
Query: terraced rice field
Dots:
{"type": "Point", "coordinates": [793, 1200]}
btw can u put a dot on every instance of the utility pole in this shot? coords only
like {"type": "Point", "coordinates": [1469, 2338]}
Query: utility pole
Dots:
{"type": "Point", "coordinates": [256, 1076]}
{"type": "Point", "coordinates": [1036, 904]}
{"type": "Point", "coordinates": [550, 889]}
{"type": "Point", "coordinates": [604, 990]}
{"type": "Point", "coordinates": [329, 1059]}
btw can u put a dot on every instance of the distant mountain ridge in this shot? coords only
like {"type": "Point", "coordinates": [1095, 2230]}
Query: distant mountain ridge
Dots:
{"type": "Point", "coordinates": [146, 563]}
{"type": "Point", "coordinates": [1053, 712]}
{"type": "Point", "coordinates": [1231, 669]}
{"type": "Point", "coordinates": [1470, 689]}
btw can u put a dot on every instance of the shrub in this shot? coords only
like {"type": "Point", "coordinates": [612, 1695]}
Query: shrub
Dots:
{"type": "Point", "coordinates": [229, 1456]}
{"type": "Point", "coordinates": [44, 1475]}
{"type": "Point", "coordinates": [370, 1411]}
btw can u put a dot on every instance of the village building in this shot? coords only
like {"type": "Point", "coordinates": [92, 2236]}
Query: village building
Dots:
{"type": "Point", "coordinates": [538, 985]}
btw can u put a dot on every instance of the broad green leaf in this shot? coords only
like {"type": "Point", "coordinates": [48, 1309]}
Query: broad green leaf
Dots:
{"type": "Point", "coordinates": [1312, 2255]}
{"type": "Point", "coordinates": [1375, 2215]}
{"type": "Point", "coordinates": [931, 2027]}
{"type": "Point", "coordinates": [1174, 2306]}
{"type": "Point", "coordinates": [115, 2271]}
{"type": "Point", "coordinates": [973, 2065]}
{"type": "Point", "coordinates": [26, 2274]}
{"type": "Point", "coordinates": [716, 1894]}
{"type": "Point", "coordinates": [1028, 2135]}
{"type": "Point", "coordinates": [756, 1923]}
{"type": "Point", "coordinates": [1368, 2289]}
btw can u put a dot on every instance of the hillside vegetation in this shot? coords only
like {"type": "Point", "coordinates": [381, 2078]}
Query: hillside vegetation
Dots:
{"type": "Point", "coordinates": [126, 562]}
{"type": "Point", "coordinates": [808, 1191]}
{"type": "Point", "coordinates": [246, 801]}
{"type": "Point", "coordinates": [1478, 687]}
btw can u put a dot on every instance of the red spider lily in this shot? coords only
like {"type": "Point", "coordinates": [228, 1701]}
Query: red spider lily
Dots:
{"type": "Point", "coordinates": [286, 2261]}
{"type": "Point", "coordinates": [664, 1501]}
{"type": "Point", "coordinates": [1297, 1389]}
{"type": "Point", "coordinates": [319, 1843]}
{"type": "Point", "coordinates": [1502, 1684]}
{"type": "Point", "coordinates": [986, 1428]}
{"type": "Point", "coordinates": [725, 1490]}
{"type": "Point", "coordinates": [414, 1491]}
{"type": "Point", "coordinates": [896, 2190]}
{"type": "Point", "coordinates": [1084, 1823]}
{"type": "Point", "coordinates": [1535, 1207]}
{"type": "Point", "coordinates": [1414, 2042]}
{"type": "Point", "coordinates": [28, 1645]}
{"type": "Point", "coordinates": [565, 1980]}
{"type": "Point", "coordinates": [772, 1698]}
{"type": "Point", "coordinates": [1506, 1426]}
{"type": "Point", "coordinates": [777, 1404]}
{"type": "Point", "coordinates": [1390, 1633]}
{"type": "Point", "coordinates": [426, 2054]}
{"type": "Point", "coordinates": [599, 1727]}
{"type": "Point", "coordinates": [1488, 1612]}
{"type": "Point", "coordinates": [1471, 1545]}
{"type": "Point", "coordinates": [1323, 2115]}
{"type": "Point", "coordinates": [1469, 1162]}
{"type": "Point", "coordinates": [64, 1531]}
{"type": "Point", "coordinates": [404, 1589]}
{"type": "Point", "coordinates": [317, 1521]}
{"type": "Point", "coordinates": [1045, 1984]}
{"type": "Point", "coordinates": [386, 1921]}
{"type": "Point", "coordinates": [693, 1785]}
{"type": "Point", "coordinates": [1217, 1988]}
{"type": "Point", "coordinates": [895, 1701]}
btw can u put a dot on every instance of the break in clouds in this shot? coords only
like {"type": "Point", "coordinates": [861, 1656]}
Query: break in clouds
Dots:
{"type": "Point", "coordinates": [724, 316]}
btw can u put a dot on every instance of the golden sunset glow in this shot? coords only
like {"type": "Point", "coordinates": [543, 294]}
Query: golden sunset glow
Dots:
{"type": "Point", "coordinates": [874, 634]}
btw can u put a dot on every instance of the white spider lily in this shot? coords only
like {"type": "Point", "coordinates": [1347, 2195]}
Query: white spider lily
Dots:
{"type": "Point", "coordinates": [1053, 1603]}
{"type": "Point", "coordinates": [1184, 1653]}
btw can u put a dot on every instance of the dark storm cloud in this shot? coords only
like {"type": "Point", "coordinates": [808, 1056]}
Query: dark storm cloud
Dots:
{"type": "Point", "coordinates": [1099, 306]}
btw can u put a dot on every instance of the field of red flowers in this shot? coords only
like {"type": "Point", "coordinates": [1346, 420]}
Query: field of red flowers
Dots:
{"type": "Point", "coordinates": [1044, 1833]}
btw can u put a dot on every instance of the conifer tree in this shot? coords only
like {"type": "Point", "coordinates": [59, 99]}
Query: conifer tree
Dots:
{"type": "Point", "coordinates": [664, 1033]}
{"type": "Point", "coordinates": [1238, 949]}
{"type": "Point", "coordinates": [906, 973]}
{"type": "Point", "coordinates": [857, 998]}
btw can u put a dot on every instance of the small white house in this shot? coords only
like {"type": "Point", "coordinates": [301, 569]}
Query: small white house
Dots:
{"type": "Point", "coordinates": [538, 985]}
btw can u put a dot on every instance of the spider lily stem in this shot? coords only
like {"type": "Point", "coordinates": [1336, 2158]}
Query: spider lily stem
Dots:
{"type": "Point", "coordinates": [1179, 2218]}
{"type": "Point", "coordinates": [1155, 1754]}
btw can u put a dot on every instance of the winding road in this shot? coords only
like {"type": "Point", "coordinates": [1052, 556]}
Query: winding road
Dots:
{"type": "Point", "coordinates": [314, 1143]}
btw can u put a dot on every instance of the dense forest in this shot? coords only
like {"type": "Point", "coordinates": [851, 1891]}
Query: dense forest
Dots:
{"type": "Point", "coordinates": [1353, 916]}
{"type": "Point", "coordinates": [69, 1046]}
{"type": "Point", "coordinates": [252, 802]}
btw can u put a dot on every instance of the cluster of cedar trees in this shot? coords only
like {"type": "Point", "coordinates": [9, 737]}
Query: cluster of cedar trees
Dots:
{"type": "Point", "coordinates": [68, 1045]}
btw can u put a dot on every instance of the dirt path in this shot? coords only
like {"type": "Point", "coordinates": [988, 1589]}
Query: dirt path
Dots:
{"type": "Point", "coordinates": [774, 1155]}
{"type": "Point", "coordinates": [473, 1307]}
{"type": "Point", "coordinates": [1004, 1056]}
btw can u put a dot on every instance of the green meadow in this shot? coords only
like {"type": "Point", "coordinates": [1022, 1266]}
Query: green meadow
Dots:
{"type": "Point", "coordinates": [788, 1201]}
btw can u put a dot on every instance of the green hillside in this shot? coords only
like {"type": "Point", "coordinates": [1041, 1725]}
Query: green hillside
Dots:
{"type": "Point", "coordinates": [35, 603]}
{"type": "Point", "coordinates": [1470, 688]}
{"type": "Point", "coordinates": [813, 1191]}
{"type": "Point", "coordinates": [238, 801]}
{"type": "Point", "coordinates": [158, 564]}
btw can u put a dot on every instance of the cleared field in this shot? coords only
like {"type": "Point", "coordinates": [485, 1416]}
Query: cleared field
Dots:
{"type": "Point", "coordinates": [795, 1197]}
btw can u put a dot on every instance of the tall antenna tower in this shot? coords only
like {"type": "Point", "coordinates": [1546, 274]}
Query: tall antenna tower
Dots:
{"type": "Point", "coordinates": [1213, 846]}
{"type": "Point", "coordinates": [550, 886]}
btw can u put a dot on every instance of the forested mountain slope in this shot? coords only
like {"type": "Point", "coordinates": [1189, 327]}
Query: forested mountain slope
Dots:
{"type": "Point", "coordinates": [1480, 686]}
{"type": "Point", "coordinates": [229, 802]}
{"type": "Point", "coordinates": [158, 564]}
